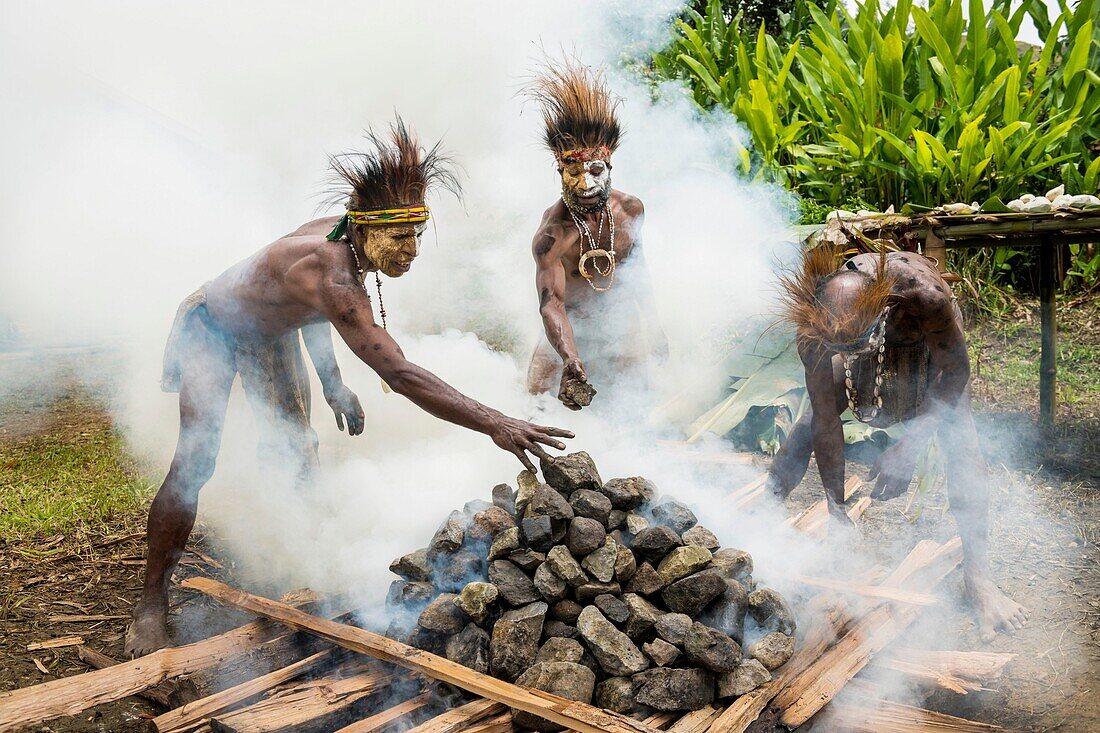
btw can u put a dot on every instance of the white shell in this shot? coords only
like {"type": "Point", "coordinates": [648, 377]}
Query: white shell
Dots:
{"type": "Point", "coordinates": [1015, 205]}
{"type": "Point", "coordinates": [1055, 192]}
{"type": "Point", "coordinates": [1037, 206]}
{"type": "Point", "coordinates": [1084, 199]}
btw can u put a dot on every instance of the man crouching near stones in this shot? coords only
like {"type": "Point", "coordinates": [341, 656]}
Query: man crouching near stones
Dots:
{"type": "Point", "coordinates": [246, 321]}
{"type": "Point", "coordinates": [881, 336]}
{"type": "Point", "coordinates": [596, 326]}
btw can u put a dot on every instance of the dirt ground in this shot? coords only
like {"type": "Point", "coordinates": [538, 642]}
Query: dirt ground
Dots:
{"type": "Point", "coordinates": [1046, 525]}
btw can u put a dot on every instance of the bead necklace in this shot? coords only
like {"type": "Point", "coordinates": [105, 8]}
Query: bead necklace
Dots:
{"type": "Point", "coordinates": [849, 387]}
{"type": "Point", "coordinates": [594, 249]}
{"type": "Point", "coordinates": [378, 285]}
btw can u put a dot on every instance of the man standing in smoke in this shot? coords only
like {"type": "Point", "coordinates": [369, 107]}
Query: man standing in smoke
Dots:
{"type": "Point", "coordinates": [595, 294]}
{"type": "Point", "coordinates": [246, 321]}
{"type": "Point", "coordinates": [882, 337]}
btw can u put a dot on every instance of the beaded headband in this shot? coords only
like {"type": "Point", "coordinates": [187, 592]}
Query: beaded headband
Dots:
{"type": "Point", "coordinates": [583, 155]}
{"type": "Point", "coordinates": [379, 217]}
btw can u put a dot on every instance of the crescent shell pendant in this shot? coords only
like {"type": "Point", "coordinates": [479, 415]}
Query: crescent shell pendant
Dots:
{"type": "Point", "coordinates": [593, 254]}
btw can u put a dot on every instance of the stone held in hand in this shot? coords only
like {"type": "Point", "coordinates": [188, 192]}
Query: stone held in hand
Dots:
{"type": "Point", "coordinates": [442, 615]}
{"type": "Point", "coordinates": [772, 650]}
{"type": "Point", "coordinates": [615, 652]}
{"type": "Point", "coordinates": [771, 611]}
{"type": "Point", "coordinates": [653, 543]}
{"type": "Point", "coordinates": [711, 649]}
{"type": "Point", "coordinates": [584, 536]}
{"type": "Point", "coordinates": [504, 543]}
{"type": "Point", "coordinates": [693, 593]}
{"type": "Point", "coordinates": [565, 566]}
{"type": "Point", "coordinates": [749, 675]}
{"type": "Point", "coordinates": [470, 648]}
{"type": "Point", "coordinates": [682, 562]}
{"type": "Point", "coordinates": [571, 472]}
{"type": "Point", "coordinates": [515, 587]}
{"type": "Point", "coordinates": [701, 536]}
{"type": "Point", "coordinates": [564, 679]}
{"type": "Point", "coordinates": [675, 514]}
{"type": "Point", "coordinates": [413, 567]}
{"type": "Point", "coordinates": [600, 563]}
{"type": "Point", "coordinates": [672, 689]}
{"type": "Point", "coordinates": [591, 504]}
{"type": "Point", "coordinates": [476, 599]}
{"type": "Point", "coordinates": [661, 652]}
{"type": "Point", "coordinates": [515, 641]}
{"type": "Point", "coordinates": [578, 391]}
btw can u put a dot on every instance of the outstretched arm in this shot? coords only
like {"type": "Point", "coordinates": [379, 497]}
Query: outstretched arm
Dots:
{"type": "Point", "coordinates": [344, 403]}
{"type": "Point", "coordinates": [550, 284]}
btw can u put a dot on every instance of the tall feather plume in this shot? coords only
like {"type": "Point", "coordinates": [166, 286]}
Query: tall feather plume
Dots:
{"type": "Point", "coordinates": [395, 171]}
{"type": "Point", "coordinates": [578, 110]}
{"type": "Point", "coordinates": [816, 321]}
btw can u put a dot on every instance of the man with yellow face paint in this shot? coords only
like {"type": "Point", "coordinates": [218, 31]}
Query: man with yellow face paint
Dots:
{"type": "Point", "coordinates": [246, 321]}
{"type": "Point", "coordinates": [595, 294]}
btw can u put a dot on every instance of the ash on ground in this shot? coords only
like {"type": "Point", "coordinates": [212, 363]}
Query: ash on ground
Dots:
{"type": "Point", "coordinates": [595, 591]}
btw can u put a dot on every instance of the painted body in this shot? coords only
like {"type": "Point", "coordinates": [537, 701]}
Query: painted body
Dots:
{"type": "Point", "coordinates": [922, 310]}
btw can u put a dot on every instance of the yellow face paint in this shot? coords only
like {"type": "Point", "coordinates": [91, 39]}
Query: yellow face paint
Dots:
{"type": "Point", "coordinates": [392, 247]}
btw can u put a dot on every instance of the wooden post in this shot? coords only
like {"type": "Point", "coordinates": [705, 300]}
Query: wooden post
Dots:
{"type": "Point", "coordinates": [1048, 367]}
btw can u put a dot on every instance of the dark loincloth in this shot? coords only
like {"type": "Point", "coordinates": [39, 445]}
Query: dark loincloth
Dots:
{"type": "Point", "coordinates": [905, 379]}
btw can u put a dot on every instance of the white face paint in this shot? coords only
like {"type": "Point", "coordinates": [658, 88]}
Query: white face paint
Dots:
{"type": "Point", "coordinates": [586, 186]}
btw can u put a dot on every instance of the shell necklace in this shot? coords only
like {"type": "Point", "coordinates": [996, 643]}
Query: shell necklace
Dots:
{"type": "Point", "coordinates": [850, 391]}
{"type": "Point", "coordinates": [595, 252]}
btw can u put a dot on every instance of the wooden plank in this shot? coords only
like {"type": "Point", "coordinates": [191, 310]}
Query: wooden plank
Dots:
{"type": "Point", "coordinates": [697, 721]}
{"type": "Point", "coordinates": [498, 724]}
{"type": "Point", "coordinates": [576, 715]}
{"type": "Point", "coordinates": [880, 592]}
{"type": "Point", "coordinates": [958, 671]}
{"type": "Point", "coordinates": [380, 720]}
{"type": "Point", "coordinates": [185, 717]}
{"type": "Point", "coordinates": [460, 717]}
{"type": "Point", "coordinates": [750, 492]}
{"type": "Point", "coordinates": [1048, 355]}
{"type": "Point", "coordinates": [162, 694]}
{"type": "Point", "coordinates": [861, 709]}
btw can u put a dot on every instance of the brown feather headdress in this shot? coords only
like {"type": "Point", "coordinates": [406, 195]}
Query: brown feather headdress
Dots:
{"type": "Point", "coordinates": [395, 172]}
{"type": "Point", "coordinates": [822, 323]}
{"type": "Point", "coordinates": [578, 111]}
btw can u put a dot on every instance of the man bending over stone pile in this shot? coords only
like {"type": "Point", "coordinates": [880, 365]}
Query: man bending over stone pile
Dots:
{"type": "Point", "coordinates": [882, 337]}
{"type": "Point", "coordinates": [246, 321]}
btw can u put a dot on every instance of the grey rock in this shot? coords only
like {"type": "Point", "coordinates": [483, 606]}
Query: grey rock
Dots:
{"type": "Point", "coordinates": [616, 694]}
{"type": "Point", "coordinates": [538, 532]}
{"type": "Point", "coordinates": [584, 536]}
{"type": "Point", "coordinates": [555, 628]}
{"type": "Point", "coordinates": [470, 648]}
{"type": "Point", "coordinates": [674, 514]}
{"type": "Point", "coordinates": [549, 503]}
{"type": "Point", "coordinates": [550, 586]}
{"type": "Point", "coordinates": [429, 641]}
{"type": "Point", "coordinates": [564, 679]}
{"type": "Point", "coordinates": [448, 538]}
{"type": "Point", "coordinates": [600, 563]}
{"type": "Point", "coordinates": [566, 610]}
{"type": "Point", "coordinates": [616, 519]}
{"type": "Point", "coordinates": [772, 650]}
{"type": "Point", "coordinates": [616, 653]}
{"type": "Point", "coordinates": [565, 566]}
{"type": "Point", "coordinates": [701, 536]}
{"type": "Point", "coordinates": [476, 599]}
{"type": "Point", "coordinates": [661, 652]}
{"type": "Point", "coordinates": [505, 498]}
{"type": "Point", "coordinates": [414, 566]}
{"type": "Point", "coordinates": [734, 564]}
{"type": "Point", "coordinates": [560, 649]}
{"type": "Point", "coordinates": [727, 612]}
{"type": "Point", "coordinates": [571, 472]}
{"type": "Point", "coordinates": [635, 523]}
{"type": "Point", "coordinates": [591, 504]}
{"type": "Point", "coordinates": [693, 593]}
{"type": "Point", "coordinates": [443, 616]}
{"type": "Point", "coordinates": [613, 608]}
{"type": "Point", "coordinates": [643, 615]}
{"type": "Point", "coordinates": [624, 493]}
{"type": "Point", "coordinates": [625, 564]}
{"type": "Point", "coordinates": [404, 593]}
{"type": "Point", "coordinates": [711, 649]}
{"type": "Point", "coordinates": [645, 581]}
{"type": "Point", "coordinates": [587, 593]}
{"type": "Point", "coordinates": [504, 543]}
{"type": "Point", "coordinates": [749, 675]}
{"type": "Point", "coordinates": [770, 610]}
{"type": "Point", "coordinates": [668, 688]}
{"type": "Point", "coordinates": [527, 560]}
{"type": "Point", "coordinates": [454, 571]}
{"type": "Point", "coordinates": [673, 627]}
{"type": "Point", "coordinates": [682, 562]}
{"type": "Point", "coordinates": [515, 641]}
{"type": "Point", "coordinates": [515, 587]}
{"type": "Point", "coordinates": [653, 543]}
{"type": "Point", "coordinates": [527, 483]}
{"type": "Point", "coordinates": [488, 522]}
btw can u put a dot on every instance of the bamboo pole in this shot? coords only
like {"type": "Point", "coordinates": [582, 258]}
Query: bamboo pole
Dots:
{"type": "Point", "coordinates": [571, 714]}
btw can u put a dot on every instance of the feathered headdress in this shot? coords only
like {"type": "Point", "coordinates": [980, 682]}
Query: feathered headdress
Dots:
{"type": "Point", "coordinates": [823, 323]}
{"type": "Point", "coordinates": [578, 111]}
{"type": "Point", "coordinates": [388, 183]}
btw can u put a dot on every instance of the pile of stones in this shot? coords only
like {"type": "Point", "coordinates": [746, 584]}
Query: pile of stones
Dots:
{"type": "Point", "coordinates": [595, 591]}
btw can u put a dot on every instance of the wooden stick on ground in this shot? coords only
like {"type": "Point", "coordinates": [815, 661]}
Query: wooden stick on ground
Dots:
{"type": "Point", "coordinates": [881, 592]}
{"type": "Point", "coordinates": [185, 717]}
{"type": "Point", "coordinates": [162, 694]}
{"type": "Point", "coordinates": [575, 715]}
{"type": "Point", "coordinates": [56, 643]}
{"type": "Point", "coordinates": [960, 672]}
{"type": "Point", "coordinates": [460, 717]}
{"type": "Point", "coordinates": [862, 710]}
{"type": "Point", "coordinates": [497, 724]}
{"type": "Point", "coordinates": [748, 493]}
{"type": "Point", "coordinates": [383, 718]}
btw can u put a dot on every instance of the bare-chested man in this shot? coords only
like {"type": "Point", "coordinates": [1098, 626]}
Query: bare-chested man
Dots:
{"type": "Point", "coordinates": [247, 321]}
{"type": "Point", "coordinates": [595, 293]}
{"type": "Point", "coordinates": [882, 336]}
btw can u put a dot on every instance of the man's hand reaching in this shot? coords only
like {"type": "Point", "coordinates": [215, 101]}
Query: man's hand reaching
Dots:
{"type": "Point", "coordinates": [345, 405]}
{"type": "Point", "coordinates": [893, 470]}
{"type": "Point", "coordinates": [520, 438]}
{"type": "Point", "coordinates": [574, 391]}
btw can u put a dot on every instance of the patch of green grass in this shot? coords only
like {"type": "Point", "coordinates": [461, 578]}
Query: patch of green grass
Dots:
{"type": "Point", "coordinates": [72, 482]}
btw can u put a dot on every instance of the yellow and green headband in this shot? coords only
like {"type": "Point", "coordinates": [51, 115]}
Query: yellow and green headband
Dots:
{"type": "Point", "coordinates": [380, 217]}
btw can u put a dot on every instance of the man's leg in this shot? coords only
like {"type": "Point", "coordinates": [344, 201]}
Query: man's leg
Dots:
{"type": "Point", "coordinates": [793, 458]}
{"type": "Point", "coordinates": [207, 374]}
{"type": "Point", "coordinates": [968, 490]}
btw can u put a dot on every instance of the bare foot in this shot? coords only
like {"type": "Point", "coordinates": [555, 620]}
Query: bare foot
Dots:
{"type": "Point", "coordinates": [147, 633]}
{"type": "Point", "coordinates": [996, 612]}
